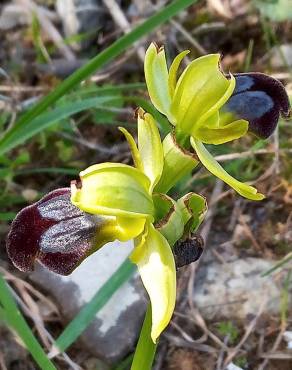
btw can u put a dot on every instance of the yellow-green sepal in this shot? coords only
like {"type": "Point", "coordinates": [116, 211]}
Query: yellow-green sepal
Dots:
{"type": "Point", "coordinates": [178, 162]}
{"type": "Point", "coordinates": [201, 90]}
{"type": "Point", "coordinates": [156, 266]}
{"type": "Point", "coordinates": [113, 189]}
{"type": "Point", "coordinates": [150, 147]}
{"type": "Point", "coordinates": [193, 208]}
{"type": "Point", "coordinates": [156, 76]}
{"type": "Point", "coordinates": [168, 218]}
{"type": "Point", "coordinates": [216, 169]}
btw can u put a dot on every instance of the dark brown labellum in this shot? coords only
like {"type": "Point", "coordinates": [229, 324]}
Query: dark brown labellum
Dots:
{"type": "Point", "coordinates": [53, 231]}
{"type": "Point", "coordinates": [260, 100]}
{"type": "Point", "coordinates": [188, 250]}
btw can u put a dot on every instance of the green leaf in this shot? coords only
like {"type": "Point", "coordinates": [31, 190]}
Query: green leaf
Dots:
{"type": "Point", "coordinates": [276, 10]}
{"type": "Point", "coordinates": [20, 133]}
{"type": "Point", "coordinates": [54, 170]}
{"type": "Point", "coordinates": [7, 216]}
{"type": "Point", "coordinates": [278, 265]}
{"type": "Point", "coordinates": [113, 51]}
{"type": "Point", "coordinates": [92, 90]}
{"type": "Point", "coordinates": [148, 107]}
{"type": "Point", "coordinates": [227, 328]}
{"type": "Point", "coordinates": [88, 312]}
{"type": "Point", "coordinates": [15, 320]}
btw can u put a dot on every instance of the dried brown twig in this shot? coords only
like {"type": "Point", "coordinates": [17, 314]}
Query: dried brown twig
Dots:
{"type": "Point", "coordinates": [247, 333]}
{"type": "Point", "coordinates": [31, 310]}
{"type": "Point", "coordinates": [121, 20]}
{"type": "Point", "coordinates": [204, 233]}
{"type": "Point", "coordinates": [48, 27]}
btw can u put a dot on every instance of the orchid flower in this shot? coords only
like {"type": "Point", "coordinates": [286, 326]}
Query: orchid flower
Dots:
{"type": "Point", "coordinates": [207, 107]}
{"type": "Point", "coordinates": [113, 201]}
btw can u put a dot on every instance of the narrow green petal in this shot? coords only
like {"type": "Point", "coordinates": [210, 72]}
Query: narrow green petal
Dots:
{"type": "Point", "coordinates": [150, 147]}
{"type": "Point", "coordinates": [156, 75]}
{"type": "Point", "coordinates": [170, 221]}
{"type": "Point", "coordinates": [113, 189]}
{"type": "Point", "coordinates": [221, 135]}
{"type": "Point", "coordinates": [193, 208]}
{"type": "Point", "coordinates": [133, 147]}
{"type": "Point", "coordinates": [178, 162]}
{"type": "Point", "coordinates": [214, 167]}
{"type": "Point", "coordinates": [157, 269]}
{"type": "Point", "coordinates": [173, 71]}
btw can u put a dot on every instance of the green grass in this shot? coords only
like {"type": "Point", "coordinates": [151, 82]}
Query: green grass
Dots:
{"type": "Point", "coordinates": [88, 313]}
{"type": "Point", "coordinates": [11, 315]}
{"type": "Point", "coordinates": [13, 137]}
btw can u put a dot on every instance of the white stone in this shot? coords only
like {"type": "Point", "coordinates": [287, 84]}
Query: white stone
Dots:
{"type": "Point", "coordinates": [236, 289]}
{"type": "Point", "coordinates": [115, 328]}
{"type": "Point", "coordinates": [14, 15]}
{"type": "Point", "coordinates": [231, 366]}
{"type": "Point", "coordinates": [80, 17]}
{"type": "Point", "coordinates": [288, 338]}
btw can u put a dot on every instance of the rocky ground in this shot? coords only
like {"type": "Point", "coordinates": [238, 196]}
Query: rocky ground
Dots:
{"type": "Point", "coordinates": [228, 315]}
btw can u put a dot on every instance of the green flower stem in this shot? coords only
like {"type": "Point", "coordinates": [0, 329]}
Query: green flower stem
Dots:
{"type": "Point", "coordinates": [145, 350]}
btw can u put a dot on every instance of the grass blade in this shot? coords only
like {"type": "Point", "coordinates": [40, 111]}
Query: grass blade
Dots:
{"type": "Point", "coordinates": [20, 133]}
{"type": "Point", "coordinates": [54, 170]}
{"type": "Point", "coordinates": [12, 316]}
{"type": "Point", "coordinates": [7, 216]}
{"type": "Point", "coordinates": [117, 48]}
{"type": "Point", "coordinates": [148, 107]}
{"type": "Point", "coordinates": [88, 312]}
{"type": "Point", "coordinates": [278, 265]}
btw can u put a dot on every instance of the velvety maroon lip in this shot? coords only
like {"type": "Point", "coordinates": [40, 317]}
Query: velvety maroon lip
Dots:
{"type": "Point", "coordinates": [259, 99]}
{"type": "Point", "coordinates": [53, 231]}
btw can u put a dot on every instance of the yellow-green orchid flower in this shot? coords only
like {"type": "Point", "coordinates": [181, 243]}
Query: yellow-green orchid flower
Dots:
{"type": "Point", "coordinates": [114, 201]}
{"type": "Point", "coordinates": [193, 104]}
{"type": "Point", "coordinates": [155, 221]}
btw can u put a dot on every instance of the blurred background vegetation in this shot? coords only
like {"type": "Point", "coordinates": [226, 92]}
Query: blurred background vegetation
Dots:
{"type": "Point", "coordinates": [42, 42]}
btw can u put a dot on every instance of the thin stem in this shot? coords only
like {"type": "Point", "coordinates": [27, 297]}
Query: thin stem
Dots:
{"type": "Point", "coordinates": [145, 350]}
